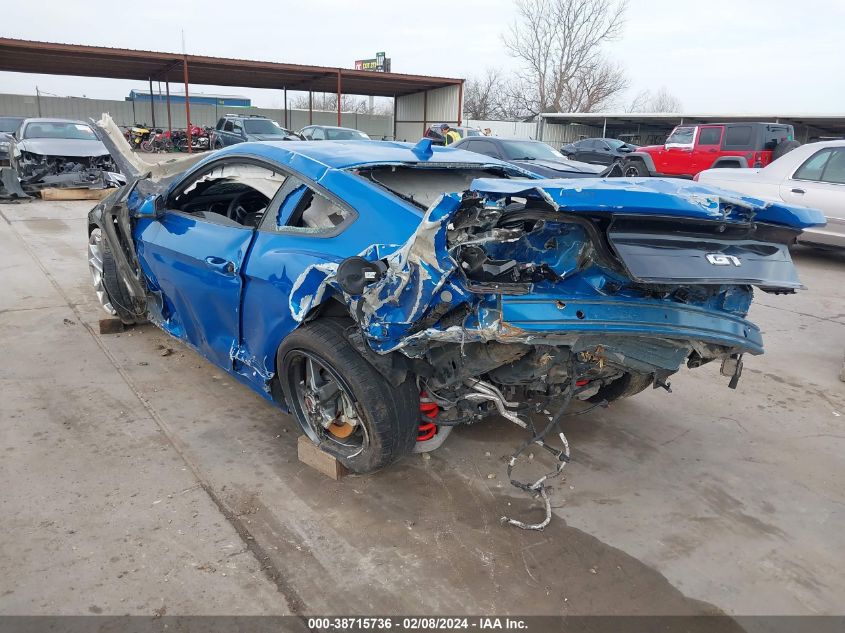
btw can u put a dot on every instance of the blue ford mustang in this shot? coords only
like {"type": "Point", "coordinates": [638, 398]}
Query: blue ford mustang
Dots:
{"type": "Point", "coordinates": [359, 283]}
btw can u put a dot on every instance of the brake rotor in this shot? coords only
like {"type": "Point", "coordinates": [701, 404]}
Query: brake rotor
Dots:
{"type": "Point", "coordinates": [341, 430]}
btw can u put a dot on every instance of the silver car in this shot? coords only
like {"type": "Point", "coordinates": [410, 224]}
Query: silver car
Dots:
{"type": "Point", "coordinates": [812, 175]}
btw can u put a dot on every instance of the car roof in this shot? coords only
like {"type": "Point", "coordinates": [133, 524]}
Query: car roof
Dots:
{"type": "Point", "coordinates": [334, 127]}
{"type": "Point", "coordinates": [346, 154]}
{"type": "Point", "coordinates": [46, 120]}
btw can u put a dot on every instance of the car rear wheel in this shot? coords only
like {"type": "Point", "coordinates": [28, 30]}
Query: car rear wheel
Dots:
{"type": "Point", "coordinates": [343, 404]}
{"type": "Point", "coordinates": [635, 169]}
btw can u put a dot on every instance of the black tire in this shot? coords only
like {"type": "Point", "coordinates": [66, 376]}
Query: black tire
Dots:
{"type": "Point", "coordinates": [635, 169]}
{"type": "Point", "coordinates": [625, 387]}
{"type": "Point", "coordinates": [783, 148]}
{"type": "Point", "coordinates": [389, 415]}
{"type": "Point", "coordinates": [119, 296]}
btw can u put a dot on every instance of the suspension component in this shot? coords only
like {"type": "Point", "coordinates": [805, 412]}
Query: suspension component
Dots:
{"type": "Point", "coordinates": [428, 414]}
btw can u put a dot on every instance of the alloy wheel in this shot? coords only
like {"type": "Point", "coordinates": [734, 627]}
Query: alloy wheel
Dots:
{"type": "Point", "coordinates": [95, 265]}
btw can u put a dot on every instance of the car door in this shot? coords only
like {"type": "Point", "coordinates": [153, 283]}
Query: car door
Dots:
{"type": "Point", "coordinates": [602, 153]}
{"type": "Point", "coordinates": [819, 183]}
{"type": "Point", "coordinates": [707, 147]}
{"type": "Point", "coordinates": [583, 150]}
{"type": "Point", "coordinates": [193, 257]}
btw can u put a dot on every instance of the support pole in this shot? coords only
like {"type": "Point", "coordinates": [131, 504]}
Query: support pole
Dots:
{"type": "Point", "coordinates": [460, 100]}
{"type": "Point", "coordinates": [310, 107]}
{"type": "Point", "coordinates": [338, 97]}
{"type": "Point", "coordinates": [286, 107]}
{"type": "Point", "coordinates": [604, 129]}
{"type": "Point", "coordinates": [425, 112]}
{"type": "Point", "coordinates": [394, 116]}
{"type": "Point", "coordinates": [167, 93]}
{"type": "Point", "coordinates": [187, 104]}
{"type": "Point", "coordinates": [152, 103]}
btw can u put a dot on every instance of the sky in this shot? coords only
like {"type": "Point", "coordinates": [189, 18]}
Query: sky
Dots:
{"type": "Point", "coordinates": [721, 56]}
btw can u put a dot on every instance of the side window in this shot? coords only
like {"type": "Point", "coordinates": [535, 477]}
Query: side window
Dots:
{"type": "Point", "coordinates": [710, 136]}
{"type": "Point", "coordinates": [238, 127]}
{"type": "Point", "coordinates": [814, 166]}
{"type": "Point", "coordinates": [220, 124]}
{"type": "Point", "coordinates": [301, 209]}
{"type": "Point", "coordinates": [738, 137]}
{"type": "Point", "coordinates": [834, 170]}
{"type": "Point", "coordinates": [485, 147]}
{"type": "Point", "coordinates": [232, 193]}
{"type": "Point", "coordinates": [306, 132]}
{"type": "Point", "coordinates": [318, 134]}
{"type": "Point", "coordinates": [228, 127]}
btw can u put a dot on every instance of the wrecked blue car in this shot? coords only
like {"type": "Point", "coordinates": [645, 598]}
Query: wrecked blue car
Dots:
{"type": "Point", "coordinates": [384, 293]}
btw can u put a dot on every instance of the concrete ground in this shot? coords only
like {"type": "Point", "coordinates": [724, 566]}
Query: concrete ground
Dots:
{"type": "Point", "coordinates": [143, 481]}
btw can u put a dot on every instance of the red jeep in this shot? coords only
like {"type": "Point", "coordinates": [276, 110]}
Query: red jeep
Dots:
{"type": "Point", "coordinates": [694, 148]}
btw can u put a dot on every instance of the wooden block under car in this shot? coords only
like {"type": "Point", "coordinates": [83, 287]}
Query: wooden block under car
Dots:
{"type": "Point", "coordinates": [111, 326]}
{"type": "Point", "coordinates": [318, 460]}
{"type": "Point", "coordinates": [53, 193]}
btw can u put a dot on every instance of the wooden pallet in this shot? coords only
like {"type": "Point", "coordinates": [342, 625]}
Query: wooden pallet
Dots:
{"type": "Point", "coordinates": [53, 193]}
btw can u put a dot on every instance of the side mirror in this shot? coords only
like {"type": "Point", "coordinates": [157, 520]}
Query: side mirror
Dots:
{"type": "Point", "coordinates": [152, 208]}
{"type": "Point", "coordinates": [356, 273]}
{"type": "Point", "coordinates": [625, 149]}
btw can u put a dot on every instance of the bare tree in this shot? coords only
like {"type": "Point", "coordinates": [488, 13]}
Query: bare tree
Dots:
{"type": "Point", "coordinates": [559, 44]}
{"type": "Point", "coordinates": [482, 96]}
{"type": "Point", "coordinates": [660, 101]}
{"type": "Point", "coordinates": [327, 101]}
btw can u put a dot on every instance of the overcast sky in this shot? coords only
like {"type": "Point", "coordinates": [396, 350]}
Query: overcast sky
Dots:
{"type": "Point", "coordinates": [720, 56]}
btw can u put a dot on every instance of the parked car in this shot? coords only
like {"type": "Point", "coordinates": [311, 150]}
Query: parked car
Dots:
{"type": "Point", "coordinates": [690, 149]}
{"type": "Point", "coordinates": [599, 151]}
{"type": "Point", "coordinates": [352, 282]}
{"type": "Point", "coordinates": [435, 132]}
{"type": "Point", "coordinates": [61, 153]}
{"type": "Point", "coordinates": [331, 133]}
{"type": "Point", "coordinates": [8, 126]}
{"type": "Point", "coordinates": [239, 128]}
{"type": "Point", "coordinates": [812, 175]}
{"type": "Point", "coordinates": [535, 156]}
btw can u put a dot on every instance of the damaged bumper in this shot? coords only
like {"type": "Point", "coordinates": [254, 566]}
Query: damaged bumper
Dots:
{"type": "Point", "coordinates": [636, 276]}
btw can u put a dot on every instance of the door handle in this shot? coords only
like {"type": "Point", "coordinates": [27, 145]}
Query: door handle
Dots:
{"type": "Point", "coordinates": [801, 191]}
{"type": "Point", "coordinates": [218, 263]}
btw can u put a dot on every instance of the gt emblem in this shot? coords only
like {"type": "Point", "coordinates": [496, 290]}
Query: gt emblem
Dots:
{"type": "Point", "coordinates": [717, 259]}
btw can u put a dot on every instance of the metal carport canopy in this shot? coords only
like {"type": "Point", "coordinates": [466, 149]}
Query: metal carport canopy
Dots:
{"type": "Point", "coordinates": [51, 58]}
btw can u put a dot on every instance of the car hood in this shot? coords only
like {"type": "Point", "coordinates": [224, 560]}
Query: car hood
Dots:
{"type": "Point", "coordinates": [62, 147]}
{"type": "Point", "coordinates": [719, 175]}
{"type": "Point", "coordinates": [562, 165]}
{"type": "Point", "coordinates": [649, 148]}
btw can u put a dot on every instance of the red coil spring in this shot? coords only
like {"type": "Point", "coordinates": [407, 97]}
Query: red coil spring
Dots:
{"type": "Point", "coordinates": [428, 413]}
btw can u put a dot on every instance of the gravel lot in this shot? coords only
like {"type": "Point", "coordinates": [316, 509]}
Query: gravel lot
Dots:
{"type": "Point", "coordinates": [143, 481]}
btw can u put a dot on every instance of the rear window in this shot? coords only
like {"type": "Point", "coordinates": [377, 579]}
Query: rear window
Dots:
{"type": "Point", "coordinates": [774, 134]}
{"type": "Point", "coordinates": [422, 186]}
